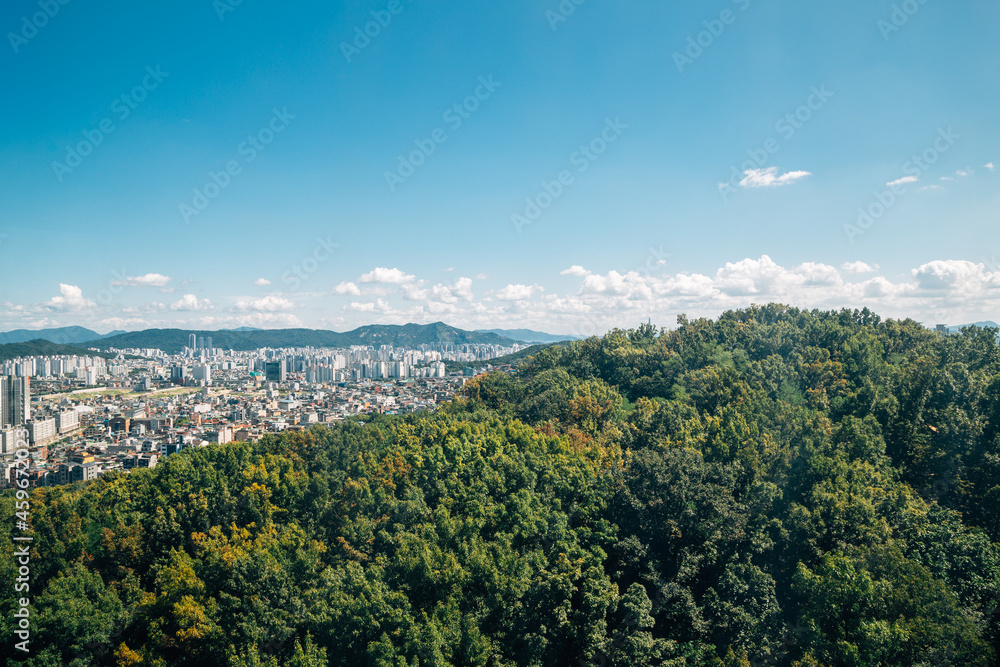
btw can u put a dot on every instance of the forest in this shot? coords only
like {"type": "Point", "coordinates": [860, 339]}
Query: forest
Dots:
{"type": "Point", "coordinates": [775, 487]}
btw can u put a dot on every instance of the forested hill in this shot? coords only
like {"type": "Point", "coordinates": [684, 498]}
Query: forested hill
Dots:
{"type": "Point", "coordinates": [173, 341]}
{"type": "Point", "coordinates": [777, 487]}
{"type": "Point", "coordinates": [62, 335]}
{"type": "Point", "coordinates": [40, 348]}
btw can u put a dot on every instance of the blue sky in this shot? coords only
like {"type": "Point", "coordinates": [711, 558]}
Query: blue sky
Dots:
{"type": "Point", "coordinates": [648, 112]}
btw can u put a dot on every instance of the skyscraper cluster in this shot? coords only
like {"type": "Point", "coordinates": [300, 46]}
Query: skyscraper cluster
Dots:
{"type": "Point", "coordinates": [196, 342]}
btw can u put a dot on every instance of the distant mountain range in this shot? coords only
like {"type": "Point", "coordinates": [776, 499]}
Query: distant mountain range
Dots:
{"type": "Point", "coordinates": [528, 336]}
{"type": "Point", "coordinates": [409, 335]}
{"type": "Point", "coordinates": [61, 336]}
{"type": "Point", "coordinates": [45, 348]}
{"type": "Point", "coordinates": [982, 325]}
{"type": "Point", "coordinates": [249, 338]}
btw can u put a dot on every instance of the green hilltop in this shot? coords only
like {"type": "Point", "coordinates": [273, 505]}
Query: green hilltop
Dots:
{"type": "Point", "coordinates": [776, 487]}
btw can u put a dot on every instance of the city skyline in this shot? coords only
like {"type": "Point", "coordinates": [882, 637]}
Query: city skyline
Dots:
{"type": "Point", "coordinates": [567, 167]}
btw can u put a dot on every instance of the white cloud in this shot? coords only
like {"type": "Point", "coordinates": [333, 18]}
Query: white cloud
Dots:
{"type": "Point", "coordinates": [450, 294]}
{"type": "Point", "coordinates": [879, 287]}
{"type": "Point", "coordinates": [990, 166]}
{"type": "Point", "coordinates": [148, 280]}
{"type": "Point", "coordinates": [413, 292]}
{"type": "Point", "coordinates": [902, 181]}
{"type": "Point", "coordinates": [262, 282]}
{"type": "Point", "coordinates": [768, 178]}
{"type": "Point", "coordinates": [380, 305]}
{"type": "Point", "coordinates": [189, 302]}
{"type": "Point", "coordinates": [386, 277]}
{"type": "Point", "coordinates": [818, 275]}
{"type": "Point", "coordinates": [954, 275]}
{"type": "Point", "coordinates": [752, 276]}
{"type": "Point", "coordinates": [463, 289]}
{"type": "Point", "coordinates": [962, 173]}
{"type": "Point", "coordinates": [630, 285]}
{"type": "Point", "coordinates": [267, 304]}
{"type": "Point", "coordinates": [516, 292]}
{"type": "Point", "coordinates": [126, 323]}
{"type": "Point", "coordinates": [70, 298]}
{"type": "Point", "coordinates": [347, 288]}
{"type": "Point", "coordinates": [687, 286]}
{"type": "Point", "coordinates": [858, 267]}
{"type": "Point", "coordinates": [439, 308]}
{"type": "Point", "coordinates": [362, 307]}
{"type": "Point", "coordinates": [575, 270]}
{"type": "Point", "coordinates": [947, 290]}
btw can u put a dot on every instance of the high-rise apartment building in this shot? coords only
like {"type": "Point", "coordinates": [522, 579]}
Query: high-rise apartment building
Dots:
{"type": "Point", "coordinates": [15, 401]}
{"type": "Point", "coordinates": [274, 371]}
{"type": "Point", "coordinates": [203, 372]}
{"type": "Point", "coordinates": [67, 420]}
{"type": "Point", "coordinates": [41, 432]}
